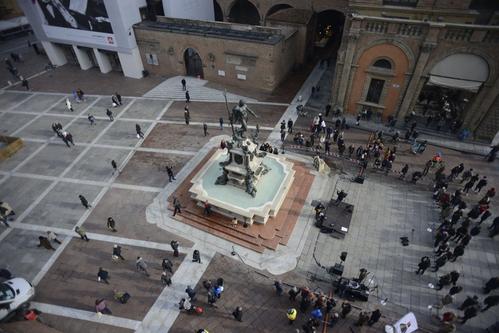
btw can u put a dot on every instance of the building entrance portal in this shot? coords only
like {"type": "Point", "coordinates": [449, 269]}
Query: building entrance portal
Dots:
{"type": "Point", "coordinates": [329, 31]}
{"type": "Point", "coordinates": [193, 63]}
{"type": "Point", "coordinates": [449, 92]}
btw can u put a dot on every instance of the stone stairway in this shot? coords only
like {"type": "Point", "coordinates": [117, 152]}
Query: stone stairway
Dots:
{"type": "Point", "coordinates": [172, 89]}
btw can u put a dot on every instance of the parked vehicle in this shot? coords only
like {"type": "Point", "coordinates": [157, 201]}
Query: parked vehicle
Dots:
{"type": "Point", "coordinates": [15, 294]}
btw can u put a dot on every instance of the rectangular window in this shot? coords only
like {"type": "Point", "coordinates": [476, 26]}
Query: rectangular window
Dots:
{"type": "Point", "coordinates": [375, 90]}
{"type": "Point", "coordinates": [406, 3]}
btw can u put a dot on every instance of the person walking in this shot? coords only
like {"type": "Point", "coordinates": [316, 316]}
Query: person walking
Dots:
{"type": "Point", "coordinates": [109, 113]}
{"type": "Point", "coordinates": [141, 265]}
{"type": "Point", "coordinates": [115, 166]}
{"type": "Point", "coordinates": [25, 84]}
{"type": "Point", "coordinates": [91, 119]}
{"type": "Point", "coordinates": [494, 227]}
{"type": "Point", "coordinates": [427, 167]}
{"type": "Point", "coordinates": [481, 183]}
{"type": "Point", "coordinates": [492, 284]}
{"type": "Point", "coordinates": [443, 281]}
{"type": "Point", "coordinates": [458, 252]}
{"type": "Point", "coordinates": [423, 265]}
{"type": "Point", "coordinates": [67, 137]}
{"type": "Point", "coordinates": [117, 252]}
{"type": "Point", "coordinates": [403, 172]}
{"type": "Point", "coordinates": [290, 126]}
{"type": "Point", "coordinates": [291, 315]}
{"type": "Point", "coordinates": [184, 84]}
{"type": "Point", "coordinates": [187, 114]}
{"type": "Point", "coordinates": [469, 301]}
{"type": "Point", "coordinates": [293, 292]}
{"type": "Point", "coordinates": [82, 233]}
{"type": "Point", "coordinates": [441, 261]}
{"type": "Point", "coordinates": [238, 313]}
{"type": "Point", "coordinates": [103, 275]}
{"type": "Point", "coordinates": [118, 98]}
{"type": "Point", "coordinates": [490, 301]}
{"type": "Point", "coordinates": [101, 307]}
{"type": "Point", "coordinates": [469, 313]}
{"type": "Point", "coordinates": [114, 100]}
{"type": "Point", "coordinates": [196, 256]}
{"type": "Point", "coordinates": [363, 318]}
{"type": "Point", "coordinates": [212, 298]}
{"type": "Point", "coordinates": [454, 276]}
{"type": "Point", "coordinates": [69, 106]}
{"type": "Point", "coordinates": [45, 243]}
{"type": "Point", "coordinates": [166, 279]}
{"type": "Point", "coordinates": [205, 129]}
{"type": "Point", "coordinates": [345, 309]}
{"type": "Point", "coordinates": [187, 96]}
{"type": "Point", "coordinates": [455, 290]}
{"type": "Point", "coordinates": [167, 265]}
{"type": "Point", "coordinates": [138, 129]}
{"type": "Point", "coordinates": [111, 224]}
{"type": "Point", "coordinates": [207, 208]}
{"type": "Point", "coordinates": [221, 122]}
{"type": "Point", "coordinates": [191, 293]}
{"type": "Point", "coordinates": [84, 201]}
{"type": "Point", "coordinates": [176, 207]}
{"type": "Point", "coordinates": [278, 288]}
{"type": "Point", "coordinates": [52, 236]}
{"type": "Point", "coordinates": [174, 244]}
{"type": "Point", "coordinates": [169, 171]}
{"type": "Point", "coordinates": [375, 317]}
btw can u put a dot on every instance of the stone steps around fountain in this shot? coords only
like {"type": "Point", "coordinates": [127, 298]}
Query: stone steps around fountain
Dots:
{"type": "Point", "coordinates": [218, 224]}
{"type": "Point", "coordinates": [226, 232]}
{"type": "Point", "coordinates": [296, 208]}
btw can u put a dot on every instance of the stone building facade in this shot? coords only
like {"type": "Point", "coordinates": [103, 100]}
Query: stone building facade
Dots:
{"type": "Point", "coordinates": [250, 57]}
{"type": "Point", "coordinates": [397, 58]}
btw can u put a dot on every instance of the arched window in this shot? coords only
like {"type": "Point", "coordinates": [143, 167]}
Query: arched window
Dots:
{"type": "Point", "coordinates": [383, 63]}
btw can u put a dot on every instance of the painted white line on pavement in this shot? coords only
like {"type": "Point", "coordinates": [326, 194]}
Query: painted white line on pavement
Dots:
{"type": "Point", "coordinates": [86, 315]}
{"type": "Point", "coordinates": [48, 264]}
{"type": "Point", "coordinates": [164, 311]}
{"type": "Point", "coordinates": [99, 237]}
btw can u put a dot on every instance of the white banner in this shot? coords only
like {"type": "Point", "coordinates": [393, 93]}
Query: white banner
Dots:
{"type": "Point", "coordinates": [74, 36]}
{"type": "Point", "coordinates": [406, 324]}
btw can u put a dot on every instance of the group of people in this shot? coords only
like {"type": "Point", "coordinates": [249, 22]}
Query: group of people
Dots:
{"type": "Point", "coordinates": [318, 306]}
{"type": "Point", "coordinates": [460, 221]}
{"type": "Point", "coordinates": [268, 148]}
{"type": "Point", "coordinates": [65, 136]}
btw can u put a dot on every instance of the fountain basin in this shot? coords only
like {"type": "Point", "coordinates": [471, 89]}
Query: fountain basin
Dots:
{"type": "Point", "coordinates": [233, 201]}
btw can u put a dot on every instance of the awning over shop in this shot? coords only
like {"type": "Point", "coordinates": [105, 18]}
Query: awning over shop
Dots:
{"type": "Point", "coordinates": [448, 82]}
{"type": "Point", "coordinates": [460, 71]}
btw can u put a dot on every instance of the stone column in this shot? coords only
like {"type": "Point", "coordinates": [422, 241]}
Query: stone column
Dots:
{"type": "Point", "coordinates": [131, 64]}
{"type": "Point", "coordinates": [482, 103]}
{"type": "Point", "coordinates": [414, 88]}
{"type": "Point", "coordinates": [55, 53]}
{"type": "Point", "coordinates": [345, 73]}
{"type": "Point", "coordinates": [103, 61]}
{"type": "Point", "coordinates": [83, 58]}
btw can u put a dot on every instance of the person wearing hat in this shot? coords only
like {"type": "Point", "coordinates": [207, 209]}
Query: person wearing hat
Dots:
{"type": "Point", "coordinates": [291, 314]}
